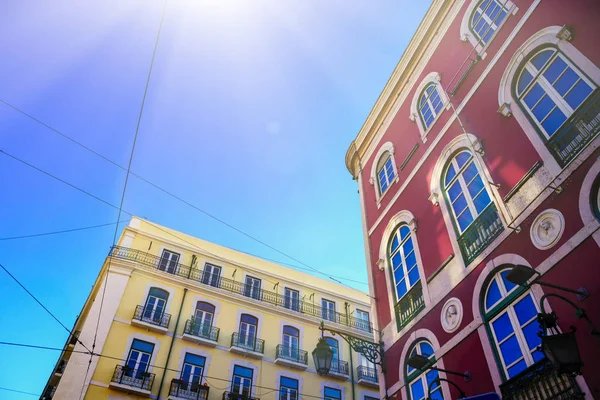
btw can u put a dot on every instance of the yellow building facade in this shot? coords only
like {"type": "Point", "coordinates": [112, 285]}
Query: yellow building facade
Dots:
{"type": "Point", "coordinates": [176, 317]}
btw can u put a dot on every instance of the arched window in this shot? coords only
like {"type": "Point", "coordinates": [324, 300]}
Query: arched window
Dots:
{"type": "Point", "coordinates": [486, 19]}
{"type": "Point", "coordinates": [430, 104]}
{"type": "Point", "coordinates": [419, 382]}
{"type": "Point", "coordinates": [554, 94]}
{"type": "Point", "coordinates": [475, 216]}
{"type": "Point", "coordinates": [385, 172]}
{"type": "Point", "coordinates": [510, 313]}
{"type": "Point", "coordinates": [248, 330]}
{"type": "Point", "coordinates": [156, 303]}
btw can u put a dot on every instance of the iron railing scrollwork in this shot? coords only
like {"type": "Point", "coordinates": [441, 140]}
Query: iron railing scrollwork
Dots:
{"type": "Point", "coordinates": [541, 381]}
{"type": "Point", "coordinates": [152, 316]}
{"type": "Point", "coordinates": [239, 288]}
{"type": "Point", "coordinates": [482, 231]}
{"type": "Point", "coordinates": [237, 396]}
{"type": "Point", "coordinates": [136, 378]}
{"type": "Point", "coordinates": [292, 354]}
{"type": "Point", "coordinates": [188, 390]}
{"type": "Point", "coordinates": [204, 331]}
{"type": "Point", "coordinates": [367, 374]}
{"type": "Point", "coordinates": [247, 342]}
{"type": "Point", "coordinates": [577, 131]}
{"type": "Point", "coordinates": [410, 305]}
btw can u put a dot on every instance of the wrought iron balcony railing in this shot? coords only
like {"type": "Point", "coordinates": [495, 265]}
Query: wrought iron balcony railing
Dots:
{"type": "Point", "coordinates": [246, 342]}
{"type": "Point", "coordinates": [486, 227]}
{"type": "Point", "coordinates": [237, 396]}
{"type": "Point", "coordinates": [127, 376]}
{"type": "Point", "coordinates": [292, 354]}
{"type": "Point", "coordinates": [188, 390]}
{"type": "Point", "coordinates": [577, 131]}
{"type": "Point", "coordinates": [367, 374]}
{"type": "Point", "coordinates": [152, 316]}
{"type": "Point", "coordinates": [201, 330]}
{"type": "Point", "coordinates": [60, 368]}
{"type": "Point", "coordinates": [339, 367]}
{"type": "Point", "coordinates": [217, 281]}
{"type": "Point", "coordinates": [410, 305]}
{"type": "Point", "coordinates": [541, 381]}
{"type": "Point", "coordinates": [74, 338]}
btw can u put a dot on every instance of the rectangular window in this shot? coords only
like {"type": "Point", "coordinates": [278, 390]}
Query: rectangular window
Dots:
{"type": "Point", "coordinates": [211, 275]}
{"type": "Point", "coordinates": [332, 394]}
{"type": "Point", "coordinates": [241, 381]}
{"type": "Point", "coordinates": [328, 310]}
{"type": "Point", "coordinates": [292, 299]}
{"type": "Point", "coordinates": [252, 287]}
{"type": "Point", "coordinates": [363, 322]}
{"type": "Point", "coordinates": [169, 261]}
{"type": "Point", "coordinates": [288, 388]}
{"type": "Point", "coordinates": [139, 358]}
{"type": "Point", "coordinates": [193, 367]}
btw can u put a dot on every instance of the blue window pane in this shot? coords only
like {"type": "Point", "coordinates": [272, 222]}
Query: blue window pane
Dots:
{"type": "Point", "coordinates": [426, 349]}
{"type": "Point", "coordinates": [531, 331]}
{"type": "Point", "coordinates": [289, 382]}
{"type": "Point", "coordinates": [525, 309]}
{"type": "Point", "coordinates": [404, 231]}
{"type": "Point", "coordinates": [416, 390]}
{"type": "Point", "coordinates": [475, 186]}
{"type": "Point", "coordinates": [430, 377]}
{"type": "Point", "coordinates": [395, 243]}
{"type": "Point", "coordinates": [430, 89]}
{"type": "Point", "coordinates": [488, 35]}
{"type": "Point", "coordinates": [249, 319]}
{"type": "Point", "coordinates": [242, 371]}
{"type": "Point", "coordinates": [454, 191]}
{"type": "Point", "coordinates": [510, 350]}
{"type": "Point", "coordinates": [142, 346]}
{"type": "Point", "coordinates": [194, 359]}
{"type": "Point", "coordinates": [401, 289]}
{"type": "Point", "coordinates": [537, 356]}
{"type": "Point", "coordinates": [508, 285]}
{"type": "Point", "coordinates": [543, 108]}
{"type": "Point", "coordinates": [422, 101]}
{"type": "Point", "coordinates": [332, 393]}
{"type": "Point", "coordinates": [408, 246]}
{"type": "Point", "coordinates": [159, 293]}
{"type": "Point", "coordinates": [411, 260]}
{"type": "Point", "coordinates": [481, 27]}
{"type": "Point", "coordinates": [566, 82]}
{"type": "Point", "coordinates": [554, 121]}
{"type": "Point", "coordinates": [462, 158]}
{"type": "Point", "coordinates": [493, 295]}
{"type": "Point", "coordinates": [459, 204]}
{"type": "Point", "coordinates": [399, 274]}
{"type": "Point", "coordinates": [409, 369]}
{"type": "Point", "coordinates": [437, 395]}
{"type": "Point", "coordinates": [524, 80]}
{"type": "Point", "coordinates": [555, 69]}
{"type": "Point", "coordinates": [450, 174]}
{"type": "Point", "coordinates": [502, 327]}
{"type": "Point", "coordinates": [482, 201]}
{"type": "Point", "coordinates": [542, 58]}
{"type": "Point", "coordinates": [515, 369]}
{"type": "Point", "coordinates": [413, 276]}
{"type": "Point", "coordinates": [534, 95]}
{"type": "Point", "coordinates": [397, 261]}
{"type": "Point", "coordinates": [465, 220]}
{"type": "Point", "coordinates": [470, 172]}
{"type": "Point", "coordinates": [578, 94]}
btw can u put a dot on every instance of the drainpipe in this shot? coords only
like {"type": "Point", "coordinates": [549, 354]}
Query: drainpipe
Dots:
{"type": "Point", "coordinates": [351, 362]}
{"type": "Point", "coordinates": [162, 381]}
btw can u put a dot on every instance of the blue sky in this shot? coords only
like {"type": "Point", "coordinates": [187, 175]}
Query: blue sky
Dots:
{"type": "Point", "coordinates": [250, 110]}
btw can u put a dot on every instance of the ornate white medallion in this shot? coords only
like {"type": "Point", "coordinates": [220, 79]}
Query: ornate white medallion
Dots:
{"type": "Point", "coordinates": [452, 314]}
{"type": "Point", "coordinates": [547, 229]}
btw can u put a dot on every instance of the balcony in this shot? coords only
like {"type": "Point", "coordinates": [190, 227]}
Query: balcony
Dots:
{"type": "Point", "coordinates": [410, 305]}
{"type": "Point", "coordinates": [247, 345]}
{"type": "Point", "coordinates": [181, 390]}
{"type": "Point", "coordinates": [240, 289]}
{"type": "Point", "coordinates": [201, 334]}
{"type": "Point", "coordinates": [367, 376]}
{"type": "Point", "coordinates": [480, 233]}
{"type": "Point", "coordinates": [60, 368]}
{"type": "Point", "coordinates": [237, 396]}
{"type": "Point", "coordinates": [49, 393]}
{"type": "Point", "coordinates": [541, 381]}
{"type": "Point", "coordinates": [151, 319]}
{"type": "Point", "coordinates": [577, 131]}
{"type": "Point", "coordinates": [291, 357]}
{"type": "Point", "coordinates": [130, 380]}
{"type": "Point", "coordinates": [74, 338]}
{"type": "Point", "coordinates": [339, 369]}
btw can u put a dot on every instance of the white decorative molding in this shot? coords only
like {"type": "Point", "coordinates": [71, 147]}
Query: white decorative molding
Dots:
{"type": "Point", "coordinates": [451, 315]}
{"type": "Point", "coordinates": [387, 147]}
{"type": "Point", "coordinates": [433, 198]}
{"type": "Point", "coordinates": [436, 78]}
{"type": "Point", "coordinates": [505, 110]}
{"type": "Point", "coordinates": [565, 33]}
{"type": "Point", "coordinates": [547, 229]}
{"type": "Point", "coordinates": [585, 198]}
{"type": "Point", "coordinates": [465, 25]}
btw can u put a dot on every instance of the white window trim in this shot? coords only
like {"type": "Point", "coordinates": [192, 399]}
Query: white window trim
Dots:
{"type": "Point", "coordinates": [246, 275]}
{"type": "Point", "coordinates": [296, 289]}
{"type": "Point", "coordinates": [363, 395]}
{"type": "Point", "coordinates": [407, 218]}
{"type": "Point", "coordinates": [436, 78]}
{"type": "Point", "coordinates": [585, 207]}
{"type": "Point", "coordinates": [246, 364]}
{"type": "Point", "coordinates": [150, 285]}
{"type": "Point", "coordinates": [505, 97]}
{"type": "Point", "coordinates": [465, 32]}
{"type": "Point", "coordinates": [215, 303]}
{"type": "Point", "coordinates": [300, 328]}
{"type": "Point", "coordinates": [170, 250]}
{"type": "Point", "coordinates": [145, 338]}
{"type": "Point", "coordinates": [387, 147]}
{"type": "Point", "coordinates": [252, 313]}
{"type": "Point", "coordinates": [467, 141]}
{"type": "Point", "coordinates": [332, 385]}
{"type": "Point", "coordinates": [418, 335]}
{"type": "Point", "coordinates": [198, 352]}
{"type": "Point", "coordinates": [331, 300]}
{"type": "Point", "coordinates": [292, 375]}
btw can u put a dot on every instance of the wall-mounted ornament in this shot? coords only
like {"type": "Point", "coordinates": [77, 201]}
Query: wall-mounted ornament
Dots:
{"type": "Point", "coordinates": [505, 110]}
{"type": "Point", "coordinates": [565, 33]}
{"type": "Point", "coordinates": [433, 198]}
{"type": "Point", "coordinates": [547, 229]}
{"type": "Point", "coordinates": [452, 314]}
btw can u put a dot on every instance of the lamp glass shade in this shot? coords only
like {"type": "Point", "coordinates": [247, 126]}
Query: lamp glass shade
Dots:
{"type": "Point", "coordinates": [322, 356]}
{"type": "Point", "coordinates": [520, 274]}
{"type": "Point", "coordinates": [563, 353]}
{"type": "Point", "coordinates": [418, 362]}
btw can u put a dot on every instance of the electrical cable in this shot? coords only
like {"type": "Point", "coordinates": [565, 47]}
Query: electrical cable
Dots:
{"type": "Point", "coordinates": [19, 391]}
{"type": "Point", "coordinates": [59, 232]}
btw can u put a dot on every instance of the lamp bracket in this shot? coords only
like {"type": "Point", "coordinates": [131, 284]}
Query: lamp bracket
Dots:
{"type": "Point", "coordinates": [370, 350]}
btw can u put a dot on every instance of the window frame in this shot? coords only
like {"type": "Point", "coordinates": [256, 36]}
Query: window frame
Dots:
{"type": "Point", "coordinates": [385, 149]}
{"type": "Point", "coordinates": [326, 313]}
{"type": "Point", "coordinates": [233, 375]}
{"type": "Point", "coordinates": [367, 321]}
{"type": "Point", "coordinates": [415, 114]}
{"type": "Point", "coordinates": [168, 266]}
{"type": "Point", "coordinates": [288, 388]}
{"type": "Point", "coordinates": [467, 34]}
{"type": "Point", "coordinates": [400, 250]}
{"type": "Point", "coordinates": [211, 278]}
{"type": "Point", "coordinates": [325, 395]}
{"type": "Point", "coordinates": [389, 173]}
{"type": "Point", "coordinates": [202, 368]}
{"type": "Point", "coordinates": [252, 290]}
{"type": "Point", "coordinates": [411, 377]}
{"type": "Point", "coordinates": [289, 302]}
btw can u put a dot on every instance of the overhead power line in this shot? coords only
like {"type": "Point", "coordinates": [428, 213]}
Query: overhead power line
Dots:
{"type": "Point", "coordinates": [19, 391]}
{"type": "Point", "coordinates": [176, 197]}
{"type": "Point", "coordinates": [59, 232]}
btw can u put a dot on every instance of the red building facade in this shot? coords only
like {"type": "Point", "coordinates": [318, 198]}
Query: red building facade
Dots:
{"type": "Point", "coordinates": [480, 154]}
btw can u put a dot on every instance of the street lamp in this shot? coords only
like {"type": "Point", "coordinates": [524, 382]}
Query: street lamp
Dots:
{"type": "Point", "coordinates": [322, 356]}
{"type": "Point", "coordinates": [461, 393]}
{"type": "Point", "coordinates": [423, 364]}
{"type": "Point", "coordinates": [520, 275]}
